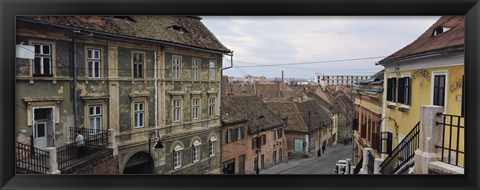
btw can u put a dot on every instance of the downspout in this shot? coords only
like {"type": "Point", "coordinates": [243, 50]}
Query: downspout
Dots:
{"type": "Point", "coordinates": [156, 88]}
{"type": "Point", "coordinates": [221, 108]}
{"type": "Point", "coordinates": [74, 60]}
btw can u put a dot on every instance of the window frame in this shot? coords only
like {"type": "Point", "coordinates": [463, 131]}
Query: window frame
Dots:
{"type": "Point", "coordinates": [445, 92]}
{"type": "Point", "coordinates": [42, 57]}
{"type": "Point", "coordinates": [176, 67]}
{"type": "Point", "coordinates": [95, 115]}
{"type": "Point", "coordinates": [135, 112]}
{"type": "Point", "coordinates": [177, 159]}
{"type": "Point", "coordinates": [135, 63]}
{"type": "Point", "coordinates": [212, 71]}
{"type": "Point", "coordinates": [195, 108]}
{"type": "Point", "coordinates": [404, 96]}
{"type": "Point", "coordinates": [212, 146]}
{"type": "Point", "coordinates": [176, 118]}
{"type": "Point", "coordinates": [195, 152]}
{"type": "Point", "coordinates": [195, 67]}
{"type": "Point", "coordinates": [93, 60]}
{"type": "Point", "coordinates": [211, 106]}
{"type": "Point", "coordinates": [392, 89]}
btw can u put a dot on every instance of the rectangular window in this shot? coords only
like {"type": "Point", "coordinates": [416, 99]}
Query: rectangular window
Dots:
{"type": "Point", "coordinates": [211, 106]}
{"type": "Point", "coordinates": [139, 114]}
{"type": "Point", "coordinates": [176, 110]}
{"type": "Point", "coordinates": [254, 143]}
{"type": "Point", "coordinates": [195, 63]}
{"type": "Point", "coordinates": [177, 159]}
{"type": "Point", "coordinates": [212, 148]}
{"type": "Point", "coordinates": [262, 161]}
{"type": "Point", "coordinates": [138, 60]}
{"type": "Point", "coordinates": [176, 67]}
{"type": "Point", "coordinates": [239, 133]}
{"type": "Point", "coordinates": [93, 60]}
{"type": "Point", "coordinates": [196, 153]}
{"type": "Point", "coordinates": [391, 89]}
{"type": "Point", "coordinates": [42, 64]}
{"type": "Point", "coordinates": [195, 108]}
{"type": "Point", "coordinates": [212, 70]}
{"type": "Point", "coordinates": [439, 90]}
{"type": "Point", "coordinates": [404, 88]}
{"type": "Point", "coordinates": [229, 136]}
{"type": "Point", "coordinates": [95, 117]}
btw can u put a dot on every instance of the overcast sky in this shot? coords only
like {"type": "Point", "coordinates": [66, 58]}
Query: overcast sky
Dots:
{"type": "Point", "coordinates": [320, 39]}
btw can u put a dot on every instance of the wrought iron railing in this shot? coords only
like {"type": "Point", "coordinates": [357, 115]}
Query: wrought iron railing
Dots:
{"type": "Point", "coordinates": [30, 159]}
{"type": "Point", "coordinates": [86, 132]}
{"type": "Point", "coordinates": [403, 153]}
{"type": "Point", "coordinates": [358, 167]}
{"type": "Point", "coordinates": [94, 142]}
{"type": "Point", "coordinates": [451, 144]}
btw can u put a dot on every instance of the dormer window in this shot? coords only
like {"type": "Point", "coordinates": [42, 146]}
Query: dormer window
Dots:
{"type": "Point", "coordinates": [178, 29]}
{"type": "Point", "coordinates": [440, 30]}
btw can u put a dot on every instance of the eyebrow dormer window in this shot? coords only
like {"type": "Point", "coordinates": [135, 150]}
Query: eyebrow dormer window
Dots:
{"type": "Point", "coordinates": [178, 29]}
{"type": "Point", "coordinates": [440, 30]}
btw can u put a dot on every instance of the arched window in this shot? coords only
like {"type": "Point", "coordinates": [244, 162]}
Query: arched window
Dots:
{"type": "Point", "coordinates": [177, 156]}
{"type": "Point", "coordinates": [196, 151]}
{"type": "Point", "coordinates": [212, 145]}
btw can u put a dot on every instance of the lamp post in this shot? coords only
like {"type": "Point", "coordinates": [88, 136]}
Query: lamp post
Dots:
{"type": "Point", "coordinates": [153, 135]}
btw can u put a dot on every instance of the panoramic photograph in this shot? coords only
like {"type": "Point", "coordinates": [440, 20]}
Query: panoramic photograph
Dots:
{"type": "Point", "coordinates": [240, 95]}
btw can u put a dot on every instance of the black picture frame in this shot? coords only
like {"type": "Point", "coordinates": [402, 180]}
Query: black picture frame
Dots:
{"type": "Point", "coordinates": [9, 9]}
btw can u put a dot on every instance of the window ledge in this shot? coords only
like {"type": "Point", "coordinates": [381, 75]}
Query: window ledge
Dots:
{"type": "Point", "coordinates": [404, 108]}
{"type": "Point", "coordinates": [391, 104]}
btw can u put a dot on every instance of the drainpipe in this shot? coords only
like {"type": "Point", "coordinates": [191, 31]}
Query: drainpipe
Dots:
{"type": "Point", "coordinates": [221, 107]}
{"type": "Point", "coordinates": [156, 87]}
{"type": "Point", "coordinates": [74, 60]}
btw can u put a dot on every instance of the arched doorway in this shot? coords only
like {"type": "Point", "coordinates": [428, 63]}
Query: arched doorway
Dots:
{"type": "Point", "coordinates": [139, 163]}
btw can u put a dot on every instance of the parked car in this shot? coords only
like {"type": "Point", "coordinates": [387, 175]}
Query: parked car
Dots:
{"type": "Point", "coordinates": [340, 167]}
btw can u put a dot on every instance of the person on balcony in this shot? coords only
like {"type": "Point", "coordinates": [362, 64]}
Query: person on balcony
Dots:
{"type": "Point", "coordinates": [79, 141]}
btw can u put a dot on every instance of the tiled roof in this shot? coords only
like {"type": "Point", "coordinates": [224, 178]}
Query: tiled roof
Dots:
{"type": "Point", "coordinates": [242, 108]}
{"type": "Point", "coordinates": [313, 115]}
{"type": "Point", "coordinates": [184, 30]}
{"type": "Point", "coordinates": [288, 109]}
{"type": "Point", "coordinates": [428, 43]}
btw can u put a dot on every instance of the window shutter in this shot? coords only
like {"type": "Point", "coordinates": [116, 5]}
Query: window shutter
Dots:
{"type": "Point", "coordinates": [409, 89]}
{"type": "Point", "coordinates": [389, 143]}
{"type": "Point", "coordinates": [394, 89]}
{"type": "Point", "coordinates": [401, 89]}
{"type": "Point", "coordinates": [355, 124]}
{"type": "Point", "coordinates": [389, 89]}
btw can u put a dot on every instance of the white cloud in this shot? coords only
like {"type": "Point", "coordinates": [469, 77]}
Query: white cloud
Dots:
{"type": "Point", "coordinates": [279, 40]}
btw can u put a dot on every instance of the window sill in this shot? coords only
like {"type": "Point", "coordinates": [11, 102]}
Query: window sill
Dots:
{"type": "Point", "coordinates": [391, 105]}
{"type": "Point", "coordinates": [404, 108]}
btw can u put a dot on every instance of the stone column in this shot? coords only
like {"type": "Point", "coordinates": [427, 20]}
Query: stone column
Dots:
{"type": "Point", "coordinates": [376, 166]}
{"type": "Point", "coordinates": [347, 168]}
{"type": "Point", "coordinates": [364, 169]}
{"type": "Point", "coordinates": [111, 141]}
{"type": "Point", "coordinates": [52, 162]}
{"type": "Point", "coordinates": [429, 136]}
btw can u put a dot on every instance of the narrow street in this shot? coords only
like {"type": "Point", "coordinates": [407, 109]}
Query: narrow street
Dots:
{"type": "Point", "coordinates": [314, 165]}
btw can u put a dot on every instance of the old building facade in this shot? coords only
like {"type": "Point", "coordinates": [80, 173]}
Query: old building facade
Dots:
{"type": "Point", "coordinates": [253, 136]}
{"type": "Point", "coordinates": [367, 96]}
{"type": "Point", "coordinates": [153, 80]}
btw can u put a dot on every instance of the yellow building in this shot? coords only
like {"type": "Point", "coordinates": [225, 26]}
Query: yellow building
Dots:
{"type": "Point", "coordinates": [367, 95]}
{"type": "Point", "coordinates": [429, 71]}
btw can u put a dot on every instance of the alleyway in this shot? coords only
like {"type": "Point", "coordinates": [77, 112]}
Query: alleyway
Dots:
{"type": "Point", "coordinates": [313, 165]}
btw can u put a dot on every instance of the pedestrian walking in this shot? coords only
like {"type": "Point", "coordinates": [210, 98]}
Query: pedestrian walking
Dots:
{"type": "Point", "coordinates": [80, 143]}
{"type": "Point", "coordinates": [323, 148]}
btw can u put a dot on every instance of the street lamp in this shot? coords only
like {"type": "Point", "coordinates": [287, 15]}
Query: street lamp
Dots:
{"type": "Point", "coordinates": [153, 135]}
{"type": "Point", "coordinates": [257, 170]}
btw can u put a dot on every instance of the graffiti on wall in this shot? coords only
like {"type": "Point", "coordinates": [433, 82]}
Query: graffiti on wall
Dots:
{"type": "Point", "coordinates": [421, 73]}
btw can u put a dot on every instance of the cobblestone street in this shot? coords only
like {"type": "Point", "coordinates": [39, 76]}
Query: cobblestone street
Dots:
{"type": "Point", "coordinates": [313, 165]}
